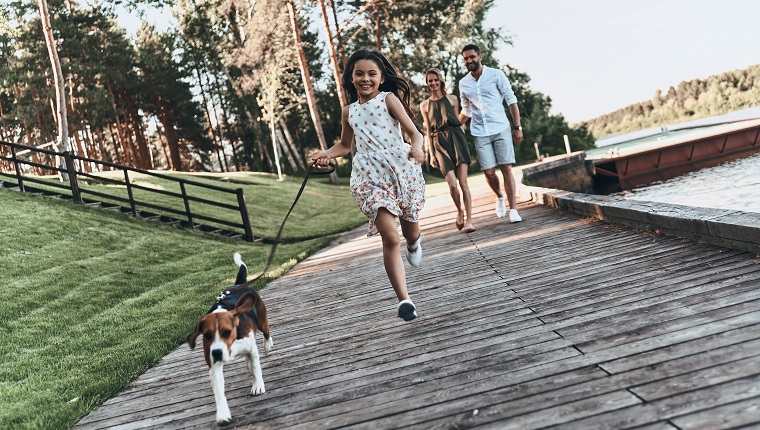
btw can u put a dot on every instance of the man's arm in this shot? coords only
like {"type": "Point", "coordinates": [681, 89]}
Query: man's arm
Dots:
{"type": "Point", "coordinates": [508, 95]}
{"type": "Point", "coordinates": [517, 135]}
{"type": "Point", "coordinates": [465, 114]}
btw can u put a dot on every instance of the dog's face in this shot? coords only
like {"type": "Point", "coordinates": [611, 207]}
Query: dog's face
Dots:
{"type": "Point", "coordinates": [219, 330]}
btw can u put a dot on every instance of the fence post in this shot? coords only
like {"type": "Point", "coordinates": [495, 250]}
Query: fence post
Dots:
{"type": "Point", "coordinates": [18, 170]}
{"type": "Point", "coordinates": [187, 205]}
{"type": "Point", "coordinates": [129, 192]}
{"type": "Point", "coordinates": [244, 215]}
{"type": "Point", "coordinates": [73, 181]}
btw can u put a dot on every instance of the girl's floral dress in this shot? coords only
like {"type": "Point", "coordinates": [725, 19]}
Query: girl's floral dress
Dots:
{"type": "Point", "coordinates": [383, 176]}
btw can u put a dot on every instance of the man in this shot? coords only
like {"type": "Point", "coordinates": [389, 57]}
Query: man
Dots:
{"type": "Point", "coordinates": [482, 92]}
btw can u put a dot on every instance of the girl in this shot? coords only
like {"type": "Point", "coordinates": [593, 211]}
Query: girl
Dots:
{"type": "Point", "coordinates": [386, 177]}
{"type": "Point", "coordinates": [439, 114]}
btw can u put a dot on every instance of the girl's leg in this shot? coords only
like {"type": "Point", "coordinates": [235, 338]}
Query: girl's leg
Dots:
{"type": "Point", "coordinates": [410, 230]}
{"type": "Point", "coordinates": [394, 267]}
{"type": "Point", "coordinates": [466, 196]}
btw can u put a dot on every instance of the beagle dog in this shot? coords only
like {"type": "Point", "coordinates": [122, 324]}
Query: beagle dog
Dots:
{"type": "Point", "coordinates": [229, 329]}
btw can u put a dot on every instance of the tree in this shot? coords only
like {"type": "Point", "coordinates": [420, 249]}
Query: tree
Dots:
{"type": "Point", "coordinates": [60, 93]}
{"type": "Point", "coordinates": [306, 75]}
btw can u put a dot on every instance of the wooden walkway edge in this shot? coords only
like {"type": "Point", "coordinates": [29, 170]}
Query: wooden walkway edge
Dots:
{"type": "Point", "coordinates": [559, 320]}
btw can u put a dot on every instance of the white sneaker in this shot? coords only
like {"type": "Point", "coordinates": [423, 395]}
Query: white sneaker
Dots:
{"type": "Point", "coordinates": [414, 257]}
{"type": "Point", "coordinates": [501, 207]}
{"type": "Point", "coordinates": [514, 216]}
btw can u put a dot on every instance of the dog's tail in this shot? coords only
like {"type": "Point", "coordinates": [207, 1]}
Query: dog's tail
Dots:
{"type": "Point", "coordinates": [243, 272]}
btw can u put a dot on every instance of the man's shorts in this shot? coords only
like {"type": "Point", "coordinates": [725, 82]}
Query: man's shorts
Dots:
{"type": "Point", "coordinates": [495, 150]}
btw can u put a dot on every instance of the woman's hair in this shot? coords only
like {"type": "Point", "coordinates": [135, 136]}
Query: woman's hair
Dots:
{"type": "Point", "coordinates": [438, 73]}
{"type": "Point", "coordinates": [392, 81]}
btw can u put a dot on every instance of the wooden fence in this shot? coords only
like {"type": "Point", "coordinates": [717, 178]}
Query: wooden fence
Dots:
{"type": "Point", "coordinates": [26, 171]}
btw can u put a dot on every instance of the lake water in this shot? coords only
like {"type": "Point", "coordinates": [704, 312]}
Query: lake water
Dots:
{"type": "Point", "coordinates": [732, 185]}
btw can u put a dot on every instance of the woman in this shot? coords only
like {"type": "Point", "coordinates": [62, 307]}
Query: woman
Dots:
{"type": "Point", "coordinates": [448, 147]}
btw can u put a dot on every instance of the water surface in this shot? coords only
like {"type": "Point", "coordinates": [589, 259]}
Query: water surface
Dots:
{"type": "Point", "coordinates": [731, 185]}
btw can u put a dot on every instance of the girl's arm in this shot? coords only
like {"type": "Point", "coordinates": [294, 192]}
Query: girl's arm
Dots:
{"type": "Point", "coordinates": [396, 109]}
{"type": "Point", "coordinates": [341, 148]}
{"type": "Point", "coordinates": [423, 110]}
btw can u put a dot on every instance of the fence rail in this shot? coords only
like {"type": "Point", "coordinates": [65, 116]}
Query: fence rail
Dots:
{"type": "Point", "coordinates": [26, 171]}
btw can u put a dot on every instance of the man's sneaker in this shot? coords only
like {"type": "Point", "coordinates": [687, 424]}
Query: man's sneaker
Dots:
{"type": "Point", "coordinates": [501, 207]}
{"type": "Point", "coordinates": [414, 257]}
{"type": "Point", "coordinates": [514, 216]}
{"type": "Point", "coordinates": [406, 310]}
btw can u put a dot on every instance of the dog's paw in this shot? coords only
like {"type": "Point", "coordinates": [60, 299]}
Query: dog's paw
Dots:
{"type": "Point", "coordinates": [268, 344]}
{"type": "Point", "coordinates": [258, 389]}
{"type": "Point", "coordinates": [223, 417]}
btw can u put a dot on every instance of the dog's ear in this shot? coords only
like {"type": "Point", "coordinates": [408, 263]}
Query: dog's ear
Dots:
{"type": "Point", "coordinates": [245, 303]}
{"type": "Point", "coordinates": [192, 336]}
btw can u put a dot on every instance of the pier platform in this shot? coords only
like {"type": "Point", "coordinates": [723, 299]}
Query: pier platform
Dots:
{"type": "Point", "coordinates": [561, 320]}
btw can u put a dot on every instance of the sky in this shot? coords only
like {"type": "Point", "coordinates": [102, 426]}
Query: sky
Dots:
{"type": "Point", "coordinates": [596, 56]}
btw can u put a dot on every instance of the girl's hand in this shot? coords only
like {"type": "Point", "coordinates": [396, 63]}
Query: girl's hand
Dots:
{"type": "Point", "coordinates": [434, 162]}
{"type": "Point", "coordinates": [321, 159]}
{"type": "Point", "coordinates": [417, 155]}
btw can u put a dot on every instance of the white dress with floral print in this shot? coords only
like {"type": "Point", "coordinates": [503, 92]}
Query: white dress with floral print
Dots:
{"type": "Point", "coordinates": [383, 176]}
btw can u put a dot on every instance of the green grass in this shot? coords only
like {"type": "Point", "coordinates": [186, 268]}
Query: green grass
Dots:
{"type": "Point", "coordinates": [90, 299]}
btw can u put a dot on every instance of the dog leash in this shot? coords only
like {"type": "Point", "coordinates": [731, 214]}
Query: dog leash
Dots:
{"type": "Point", "coordinates": [318, 171]}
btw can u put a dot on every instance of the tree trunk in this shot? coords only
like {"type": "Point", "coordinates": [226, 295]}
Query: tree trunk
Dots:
{"type": "Point", "coordinates": [210, 124]}
{"type": "Point", "coordinates": [171, 136]}
{"type": "Point", "coordinates": [164, 141]}
{"type": "Point", "coordinates": [285, 149]}
{"type": "Point", "coordinates": [119, 131]}
{"type": "Point", "coordinates": [333, 57]}
{"type": "Point", "coordinates": [289, 139]}
{"type": "Point", "coordinates": [306, 76]}
{"type": "Point", "coordinates": [252, 123]}
{"type": "Point", "coordinates": [339, 37]}
{"type": "Point", "coordinates": [146, 159]}
{"type": "Point", "coordinates": [63, 123]}
{"type": "Point", "coordinates": [225, 123]}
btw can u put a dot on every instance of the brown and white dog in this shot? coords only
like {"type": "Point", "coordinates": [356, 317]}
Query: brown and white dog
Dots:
{"type": "Point", "coordinates": [229, 329]}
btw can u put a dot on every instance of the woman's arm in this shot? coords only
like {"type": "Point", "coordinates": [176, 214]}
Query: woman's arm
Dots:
{"type": "Point", "coordinates": [431, 154]}
{"type": "Point", "coordinates": [396, 109]}
{"type": "Point", "coordinates": [341, 148]}
{"type": "Point", "coordinates": [454, 103]}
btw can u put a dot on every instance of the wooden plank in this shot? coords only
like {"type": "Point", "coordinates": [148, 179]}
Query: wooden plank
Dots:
{"type": "Point", "coordinates": [671, 407]}
{"type": "Point", "coordinates": [744, 414]}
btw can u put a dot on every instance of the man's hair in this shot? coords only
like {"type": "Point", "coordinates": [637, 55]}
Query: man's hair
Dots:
{"type": "Point", "coordinates": [473, 47]}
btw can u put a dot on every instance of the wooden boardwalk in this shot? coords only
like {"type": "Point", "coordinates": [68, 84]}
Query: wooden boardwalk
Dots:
{"type": "Point", "coordinates": [555, 321]}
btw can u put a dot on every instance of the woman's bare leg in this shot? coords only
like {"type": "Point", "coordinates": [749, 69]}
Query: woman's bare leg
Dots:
{"type": "Point", "coordinates": [466, 195]}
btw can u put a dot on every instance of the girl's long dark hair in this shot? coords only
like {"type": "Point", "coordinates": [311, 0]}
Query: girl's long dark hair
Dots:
{"type": "Point", "coordinates": [393, 83]}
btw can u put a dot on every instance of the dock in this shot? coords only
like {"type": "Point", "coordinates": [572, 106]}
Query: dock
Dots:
{"type": "Point", "coordinates": [561, 320]}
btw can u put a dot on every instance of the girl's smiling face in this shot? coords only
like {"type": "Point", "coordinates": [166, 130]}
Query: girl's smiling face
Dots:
{"type": "Point", "coordinates": [367, 78]}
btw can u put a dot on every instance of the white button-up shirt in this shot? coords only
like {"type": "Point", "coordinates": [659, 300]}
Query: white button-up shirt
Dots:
{"type": "Point", "coordinates": [482, 101]}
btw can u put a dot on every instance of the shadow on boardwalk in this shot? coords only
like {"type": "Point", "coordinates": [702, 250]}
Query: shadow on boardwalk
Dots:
{"type": "Point", "coordinates": [555, 321]}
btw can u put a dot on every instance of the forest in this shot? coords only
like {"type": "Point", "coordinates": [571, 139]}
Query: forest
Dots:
{"type": "Point", "coordinates": [235, 84]}
{"type": "Point", "coordinates": [697, 98]}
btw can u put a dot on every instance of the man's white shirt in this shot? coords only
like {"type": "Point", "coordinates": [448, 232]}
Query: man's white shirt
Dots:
{"type": "Point", "coordinates": [482, 101]}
